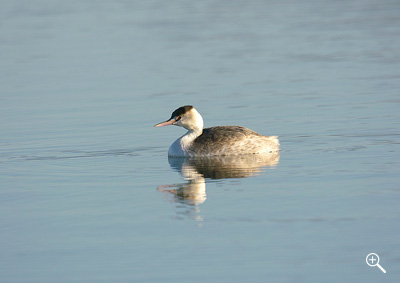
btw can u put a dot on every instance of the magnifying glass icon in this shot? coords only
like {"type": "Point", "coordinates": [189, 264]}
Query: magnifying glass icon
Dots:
{"type": "Point", "coordinates": [373, 260]}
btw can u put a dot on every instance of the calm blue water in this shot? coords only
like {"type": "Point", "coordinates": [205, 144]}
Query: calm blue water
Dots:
{"type": "Point", "coordinates": [87, 193]}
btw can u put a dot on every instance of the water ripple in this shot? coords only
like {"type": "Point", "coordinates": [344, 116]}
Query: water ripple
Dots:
{"type": "Point", "coordinates": [75, 154]}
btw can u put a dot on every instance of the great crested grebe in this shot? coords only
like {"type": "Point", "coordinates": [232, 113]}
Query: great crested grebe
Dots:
{"type": "Point", "coordinates": [220, 140]}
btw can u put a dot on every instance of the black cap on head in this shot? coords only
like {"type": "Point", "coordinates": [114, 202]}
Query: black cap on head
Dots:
{"type": "Point", "coordinates": [181, 110]}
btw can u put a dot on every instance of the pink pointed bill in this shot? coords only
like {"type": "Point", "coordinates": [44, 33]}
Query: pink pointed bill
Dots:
{"type": "Point", "coordinates": [166, 123]}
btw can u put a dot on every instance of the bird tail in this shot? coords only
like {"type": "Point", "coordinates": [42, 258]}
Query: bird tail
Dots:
{"type": "Point", "coordinates": [274, 139]}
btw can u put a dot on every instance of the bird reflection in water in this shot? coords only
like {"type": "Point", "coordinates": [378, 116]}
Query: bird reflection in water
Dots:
{"type": "Point", "coordinates": [197, 170]}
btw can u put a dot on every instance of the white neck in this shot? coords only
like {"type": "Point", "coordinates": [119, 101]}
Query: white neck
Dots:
{"type": "Point", "coordinates": [182, 145]}
{"type": "Point", "coordinates": [190, 136]}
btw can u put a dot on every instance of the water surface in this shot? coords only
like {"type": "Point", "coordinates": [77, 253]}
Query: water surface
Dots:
{"type": "Point", "coordinates": [88, 194]}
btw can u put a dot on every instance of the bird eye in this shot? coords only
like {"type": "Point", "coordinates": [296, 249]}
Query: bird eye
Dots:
{"type": "Point", "coordinates": [178, 118]}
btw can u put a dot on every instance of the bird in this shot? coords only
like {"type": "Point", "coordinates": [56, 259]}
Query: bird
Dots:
{"type": "Point", "coordinates": [215, 141]}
